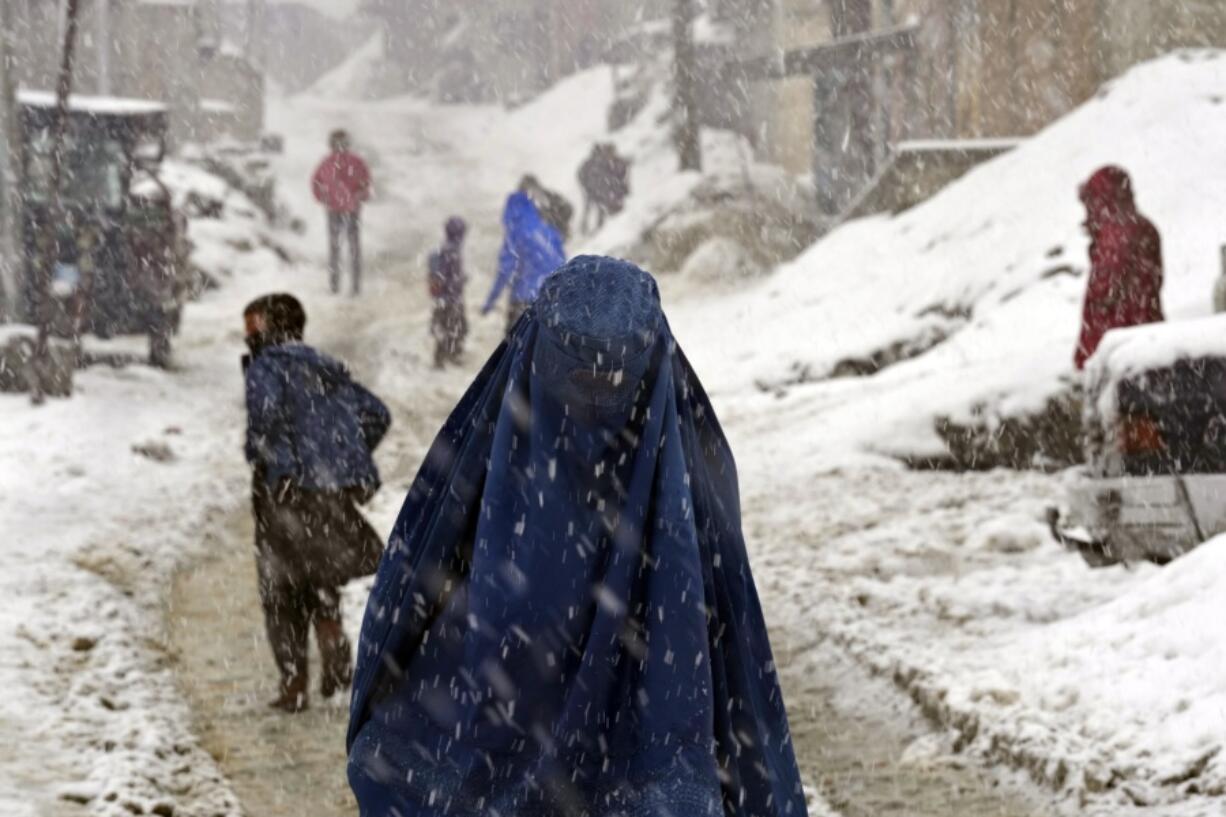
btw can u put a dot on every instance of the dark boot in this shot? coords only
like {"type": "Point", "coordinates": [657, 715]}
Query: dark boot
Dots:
{"type": "Point", "coordinates": [336, 655]}
{"type": "Point", "coordinates": [293, 697]}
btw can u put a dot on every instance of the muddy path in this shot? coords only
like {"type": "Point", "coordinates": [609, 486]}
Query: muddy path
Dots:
{"type": "Point", "coordinates": [859, 742]}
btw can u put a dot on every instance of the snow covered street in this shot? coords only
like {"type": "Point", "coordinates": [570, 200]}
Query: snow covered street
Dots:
{"type": "Point", "coordinates": [911, 610]}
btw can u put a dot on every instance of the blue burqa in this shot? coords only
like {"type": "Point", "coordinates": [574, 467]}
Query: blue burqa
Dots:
{"type": "Point", "coordinates": [564, 623]}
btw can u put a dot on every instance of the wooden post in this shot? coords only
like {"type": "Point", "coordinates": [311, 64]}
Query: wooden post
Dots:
{"type": "Point", "coordinates": [685, 77]}
{"type": "Point", "coordinates": [48, 242]}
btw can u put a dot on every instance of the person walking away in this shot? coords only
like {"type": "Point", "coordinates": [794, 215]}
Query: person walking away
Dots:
{"type": "Point", "coordinates": [605, 179]}
{"type": "Point", "coordinates": [155, 243]}
{"type": "Point", "coordinates": [342, 184]}
{"type": "Point", "coordinates": [531, 250]}
{"type": "Point", "coordinates": [1125, 285]}
{"type": "Point", "coordinates": [566, 621]}
{"type": "Point", "coordinates": [449, 324]}
{"type": "Point", "coordinates": [310, 433]}
{"type": "Point", "coordinates": [554, 208]}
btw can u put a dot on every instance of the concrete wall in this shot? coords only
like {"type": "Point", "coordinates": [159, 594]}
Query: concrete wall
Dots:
{"type": "Point", "coordinates": [1010, 67]}
{"type": "Point", "coordinates": [984, 68]}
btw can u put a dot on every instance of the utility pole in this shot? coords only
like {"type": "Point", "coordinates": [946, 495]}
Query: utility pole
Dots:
{"type": "Point", "coordinates": [685, 79]}
{"type": "Point", "coordinates": [10, 200]}
{"type": "Point", "coordinates": [850, 17]}
{"type": "Point", "coordinates": [103, 46]}
{"type": "Point", "coordinates": [10, 197]}
{"type": "Point", "coordinates": [47, 240]}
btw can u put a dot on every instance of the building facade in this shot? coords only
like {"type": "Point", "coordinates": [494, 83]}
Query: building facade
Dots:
{"type": "Point", "coordinates": [981, 69]}
{"type": "Point", "coordinates": [170, 51]}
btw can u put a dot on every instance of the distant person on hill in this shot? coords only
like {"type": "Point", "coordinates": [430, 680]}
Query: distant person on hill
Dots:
{"type": "Point", "coordinates": [532, 248]}
{"type": "Point", "coordinates": [1125, 285]}
{"type": "Point", "coordinates": [449, 324]}
{"type": "Point", "coordinates": [605, 179]}
{"type": "Point", "coordinates": [310, 433]}
{"type": "Point", "coordinates": [342, 185]}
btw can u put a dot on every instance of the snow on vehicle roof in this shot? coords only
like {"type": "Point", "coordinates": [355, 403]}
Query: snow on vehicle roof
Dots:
{"type": "Point", "coordinates": [100, 105]}
{"type": "Point", "coordinates": [1127, 352]}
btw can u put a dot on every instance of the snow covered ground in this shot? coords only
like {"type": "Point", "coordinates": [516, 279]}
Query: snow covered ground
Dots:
{"type": "Point", "coordinates": [1108, 686]}
{"type": "Point", "coordinates": [101, 497]}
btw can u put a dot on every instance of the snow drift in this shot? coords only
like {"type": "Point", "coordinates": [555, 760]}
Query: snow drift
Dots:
{"type": "Point", "coordinates": [994, 265]}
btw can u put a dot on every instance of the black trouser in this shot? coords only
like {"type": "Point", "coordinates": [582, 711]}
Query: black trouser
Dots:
{"type": "Point", "coordinates": [449, 326]}
{"type": "Point", "coordinates": [350, 225]}
{"type": "Point", "coordinates": [293, 601]}
{"type": "Point", "coordinates": [290, 609]}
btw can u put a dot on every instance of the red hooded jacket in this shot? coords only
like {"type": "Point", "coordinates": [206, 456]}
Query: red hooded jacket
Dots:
{"type": "Point", "coordinates": [1125, 286]}
{"type": "Point", "coordinates": [342, 182]}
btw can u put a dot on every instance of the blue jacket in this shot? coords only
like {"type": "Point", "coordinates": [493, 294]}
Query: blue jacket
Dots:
{"type": "Point", "coordinates": [309, 422]}
{"type": "Point", "coordinates": [531, 250]}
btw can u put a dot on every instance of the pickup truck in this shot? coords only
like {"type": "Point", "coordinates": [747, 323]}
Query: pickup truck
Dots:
{"type": "Point", "coordinates": [1154, 483]}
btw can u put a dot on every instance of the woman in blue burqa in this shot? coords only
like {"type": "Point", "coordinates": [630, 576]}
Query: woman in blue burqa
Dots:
{"type": "Point", "coordinates": [564, 623]}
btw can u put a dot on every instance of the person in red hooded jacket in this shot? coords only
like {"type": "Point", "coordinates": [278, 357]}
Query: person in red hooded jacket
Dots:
{"type": "Point", "coordinates": [342, 184]}
{"type": "Point", "coordinates": [1125, 286]}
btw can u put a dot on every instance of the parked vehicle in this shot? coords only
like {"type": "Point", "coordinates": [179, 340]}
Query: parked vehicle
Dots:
{"type": "Point", "coordinates": [1154, 483]}
{"type": "Point", "coordinates": [112, 226]}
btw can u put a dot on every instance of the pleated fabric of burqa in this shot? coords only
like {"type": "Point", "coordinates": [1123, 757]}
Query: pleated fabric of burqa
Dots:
{"type": "Point", "coordinates": [564, 623]}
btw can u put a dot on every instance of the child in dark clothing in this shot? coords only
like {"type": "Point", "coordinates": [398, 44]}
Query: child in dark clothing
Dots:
{"type": "Point", "coordinates": [449, 324]}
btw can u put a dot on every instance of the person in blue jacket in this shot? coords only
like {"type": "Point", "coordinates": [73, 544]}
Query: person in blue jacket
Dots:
{"type": "Point", "coordinates": [565, 621]}
{"type": "Point", "coordinates": [531, 250]}
{"type": "Point", "coordinates": [310, 433]}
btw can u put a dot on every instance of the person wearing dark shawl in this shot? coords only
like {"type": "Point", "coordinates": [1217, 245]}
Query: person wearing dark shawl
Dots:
{"type": "Point", "coordinates": [565, 623]}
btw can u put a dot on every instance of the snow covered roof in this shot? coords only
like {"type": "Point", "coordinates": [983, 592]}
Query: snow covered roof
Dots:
{"type": "Point", "coordinates": [98, 105]}
{"type": "Point", "coordinates": [1139, 348]}
{"type": "Point", "coordinates": [1127, 352]}
{"type": "Point", "coordinates": [971, 145]}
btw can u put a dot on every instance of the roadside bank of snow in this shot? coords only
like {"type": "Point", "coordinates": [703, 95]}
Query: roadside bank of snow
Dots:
{"type": "Point", "coordinates": [105, 494]}
{"type": "Point", "coordinates": [995, 264]}
{"type": "Point", "coordinates": [949, 583]}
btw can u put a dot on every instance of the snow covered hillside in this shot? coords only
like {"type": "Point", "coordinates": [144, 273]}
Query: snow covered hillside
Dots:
{"type": "Point", "coordinates": [1105, 685]}
{"type": "Point", "coordinates": [987, 276]}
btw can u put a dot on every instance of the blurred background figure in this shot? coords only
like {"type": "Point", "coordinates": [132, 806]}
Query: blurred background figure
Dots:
{"type": "Point", "coordinates": [311, 431]}
{"type": "Point", "coordinates": [605, 179]}
{"type": "Point", "coordinates": [532, 248]}
{"type": "Point", "coordinates": [449, 323]}
{"type": "Point", "coordinates": [1125, 286]}
{"type": "Point", "coordinates": [342, 183]}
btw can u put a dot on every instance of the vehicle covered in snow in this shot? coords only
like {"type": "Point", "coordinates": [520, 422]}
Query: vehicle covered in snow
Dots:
{"type": "Point", "coordinates": [118, 251]}
{"type": "Point", "coordinates": [1154, 483]}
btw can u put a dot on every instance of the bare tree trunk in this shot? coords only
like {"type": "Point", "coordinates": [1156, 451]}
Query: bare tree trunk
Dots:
{"type": "Point", "coordinates": [685, 77]}
{"type": "Point", "coordinates": [48, 242]}
{"type": "Point", "coordinates": [10, 146]}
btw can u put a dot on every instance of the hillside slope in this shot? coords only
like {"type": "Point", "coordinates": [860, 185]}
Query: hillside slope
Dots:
{"type": "Point", "coordinates": [987, 276]}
